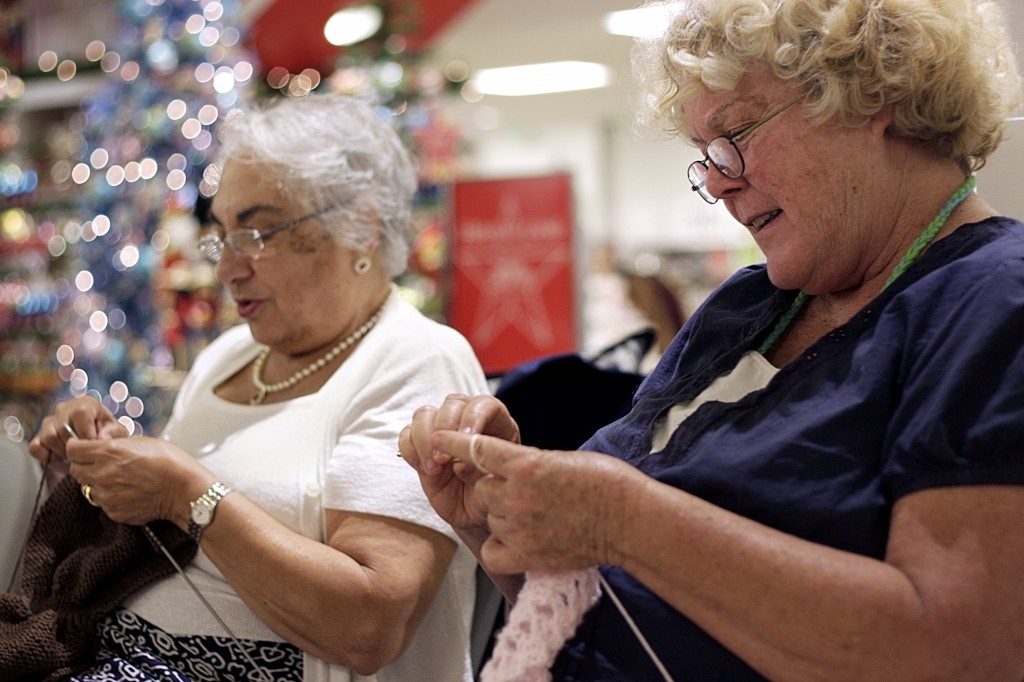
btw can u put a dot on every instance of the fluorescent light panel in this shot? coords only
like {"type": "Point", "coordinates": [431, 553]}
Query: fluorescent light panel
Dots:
{"type": "Point", "coordinates": [645, 22]}
{"type": "Point", "coordinates": [541, 79]}
{"type": "Point", "coordinates": [353, 24]}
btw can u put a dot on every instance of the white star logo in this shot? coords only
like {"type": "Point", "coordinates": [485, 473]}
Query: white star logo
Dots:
{"type": "Point", "coordinates": [510, 260]}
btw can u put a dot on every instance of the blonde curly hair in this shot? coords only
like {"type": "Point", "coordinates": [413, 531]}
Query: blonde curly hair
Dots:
{"type": "Point", "coordinates": [945, 67]}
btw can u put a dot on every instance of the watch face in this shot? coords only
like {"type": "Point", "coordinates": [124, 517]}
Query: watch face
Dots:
{"type": "Point", "coordinates": [202, 513]}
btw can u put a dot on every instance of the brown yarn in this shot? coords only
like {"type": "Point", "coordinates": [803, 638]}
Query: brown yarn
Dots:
{"type": "Point", "coordinates": [79, 566]}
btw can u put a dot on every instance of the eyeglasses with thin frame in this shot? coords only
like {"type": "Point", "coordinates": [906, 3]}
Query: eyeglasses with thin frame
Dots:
{"type": "Point", "coordinates": [249, 243]}
{"type": "Point", "coordinates": [723, 152]}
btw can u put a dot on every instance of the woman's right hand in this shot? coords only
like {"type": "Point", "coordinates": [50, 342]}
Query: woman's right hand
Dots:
{"type": "Point", "coordinates": [447, 481]}
{"type": "Point", "coordinates": [86, 416]}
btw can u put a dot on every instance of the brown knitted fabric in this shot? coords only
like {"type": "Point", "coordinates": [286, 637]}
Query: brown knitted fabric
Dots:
{"type": "Point", "coordinates": [78, 568]}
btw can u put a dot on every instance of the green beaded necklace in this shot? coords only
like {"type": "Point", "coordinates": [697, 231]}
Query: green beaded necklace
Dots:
{"type": "Point", "coordinates": [919, 245]}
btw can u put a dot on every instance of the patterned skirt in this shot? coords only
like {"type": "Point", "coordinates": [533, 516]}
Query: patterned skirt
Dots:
{"type": "Point", "coordinates": [134, 649]}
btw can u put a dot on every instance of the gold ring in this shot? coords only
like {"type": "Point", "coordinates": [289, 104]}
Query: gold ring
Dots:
{"type": "Point", "coordinates": [87, 494]}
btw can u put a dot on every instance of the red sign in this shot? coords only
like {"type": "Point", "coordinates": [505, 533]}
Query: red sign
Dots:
{"type": "Point", "coordinates": [513, 291]}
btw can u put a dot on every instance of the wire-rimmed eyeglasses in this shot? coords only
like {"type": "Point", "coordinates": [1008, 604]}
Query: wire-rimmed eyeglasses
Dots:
{"type": "Point", "coordinates": [251, 242]}
{"type": "Point", "coordinates": [723, 152]}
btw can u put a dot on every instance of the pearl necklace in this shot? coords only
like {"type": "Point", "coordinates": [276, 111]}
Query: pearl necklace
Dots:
{"type": "Point", "coordinates": [263, 390]}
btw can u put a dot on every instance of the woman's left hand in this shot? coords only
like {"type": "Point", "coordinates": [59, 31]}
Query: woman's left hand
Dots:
{"type": "Point", "coordinates": [547, 510]}
{"type": "Point", "coordinates": [138, 479]}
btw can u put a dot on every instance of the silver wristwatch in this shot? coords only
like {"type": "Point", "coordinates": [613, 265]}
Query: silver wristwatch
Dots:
{"type": "Point", "coordinates": [203, 509]}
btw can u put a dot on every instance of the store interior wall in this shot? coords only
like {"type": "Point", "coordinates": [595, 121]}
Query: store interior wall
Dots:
{"type": "Point", "coordinates": [1000, 181]}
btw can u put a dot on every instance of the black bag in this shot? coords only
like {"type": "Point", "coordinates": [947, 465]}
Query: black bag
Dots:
{"type": "Point", "coordinates": [560, 401]}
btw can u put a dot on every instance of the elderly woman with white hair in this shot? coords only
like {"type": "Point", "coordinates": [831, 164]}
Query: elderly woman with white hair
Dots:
{"type": "Point", "coordinates": [823, 478]}
{"type": "Point", "coordinates": [317, 547]}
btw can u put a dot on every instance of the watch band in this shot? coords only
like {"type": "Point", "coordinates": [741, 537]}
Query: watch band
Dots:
{"type": "Point", "coordinates": [205, 506]}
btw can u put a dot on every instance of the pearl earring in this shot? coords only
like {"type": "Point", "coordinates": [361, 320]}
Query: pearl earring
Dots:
{"type": "Point", "coordinates": [362, 265]}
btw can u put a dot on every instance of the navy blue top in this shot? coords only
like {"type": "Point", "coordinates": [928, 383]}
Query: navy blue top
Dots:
{"type": "Point", "coordinates": [923, 388]}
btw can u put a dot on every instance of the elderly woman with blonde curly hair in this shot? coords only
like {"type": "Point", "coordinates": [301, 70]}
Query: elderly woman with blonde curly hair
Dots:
{"type": "Point", "coordinates": [823, 479]}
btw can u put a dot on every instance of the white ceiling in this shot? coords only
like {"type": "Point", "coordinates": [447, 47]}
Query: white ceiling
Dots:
{"type": "Point", "coordinates": [492, 33]}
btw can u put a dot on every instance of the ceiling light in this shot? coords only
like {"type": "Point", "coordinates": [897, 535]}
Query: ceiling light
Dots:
{"type": "Point", "coordinates": [540, 79]}
{"type": "Point", "coordinates": [645, 22]}
{"type": "Point", "coordinates": [353, 24]}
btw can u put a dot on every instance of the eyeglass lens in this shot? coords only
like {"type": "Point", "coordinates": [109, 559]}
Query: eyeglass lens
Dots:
{"type": "Point", "coordinates": [211, 246]}
{"type": "Point", "coordinates": [247, 243]}
{"type": "Point", "coordinates": [721, 152]}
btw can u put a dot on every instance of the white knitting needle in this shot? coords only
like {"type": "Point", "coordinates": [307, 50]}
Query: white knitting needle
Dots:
{"type": "Point", "coordinates": [636, 630]}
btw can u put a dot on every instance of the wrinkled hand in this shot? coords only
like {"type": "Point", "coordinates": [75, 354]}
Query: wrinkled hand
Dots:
{"type": "Point", "coordinates": [447, 481]}
{"type": "Point", "coordinates": [137, 479]}
{"type": "Point", "coordinates": [547, 510]}
{"type": "Point", "coordinates": [89, 420]}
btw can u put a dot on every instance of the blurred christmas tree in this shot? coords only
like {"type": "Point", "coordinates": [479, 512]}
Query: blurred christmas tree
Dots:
{"type": "Point", "coordinates": [136, 299]}
{"type": "Point", "coordinates": [28, 304]}
{"type": "Point", "coordinates": [148, 136]}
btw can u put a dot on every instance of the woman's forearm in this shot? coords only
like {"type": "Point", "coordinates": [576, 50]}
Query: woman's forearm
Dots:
{"type": "Point", "coordinates": [358, 609]}
{"type": "Point", "coordinates": [797, 610]}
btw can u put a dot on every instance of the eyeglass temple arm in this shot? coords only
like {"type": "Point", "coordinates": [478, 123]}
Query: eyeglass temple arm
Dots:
{"type": "Point", "coordinates": [767, 118]}
{"type": "Point", "coordinates": [315, 214]}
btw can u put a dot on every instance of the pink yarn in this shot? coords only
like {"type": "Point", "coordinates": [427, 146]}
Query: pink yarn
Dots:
{"type": "Point", "coordinates": [546, 614]}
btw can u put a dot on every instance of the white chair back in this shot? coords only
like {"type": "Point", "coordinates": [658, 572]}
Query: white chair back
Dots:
{"type": "Point", "coordinates": [18, 485]}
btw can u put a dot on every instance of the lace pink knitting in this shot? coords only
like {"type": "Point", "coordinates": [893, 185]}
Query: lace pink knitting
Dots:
{"type": "Point", "coordinates": [546, 614]}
